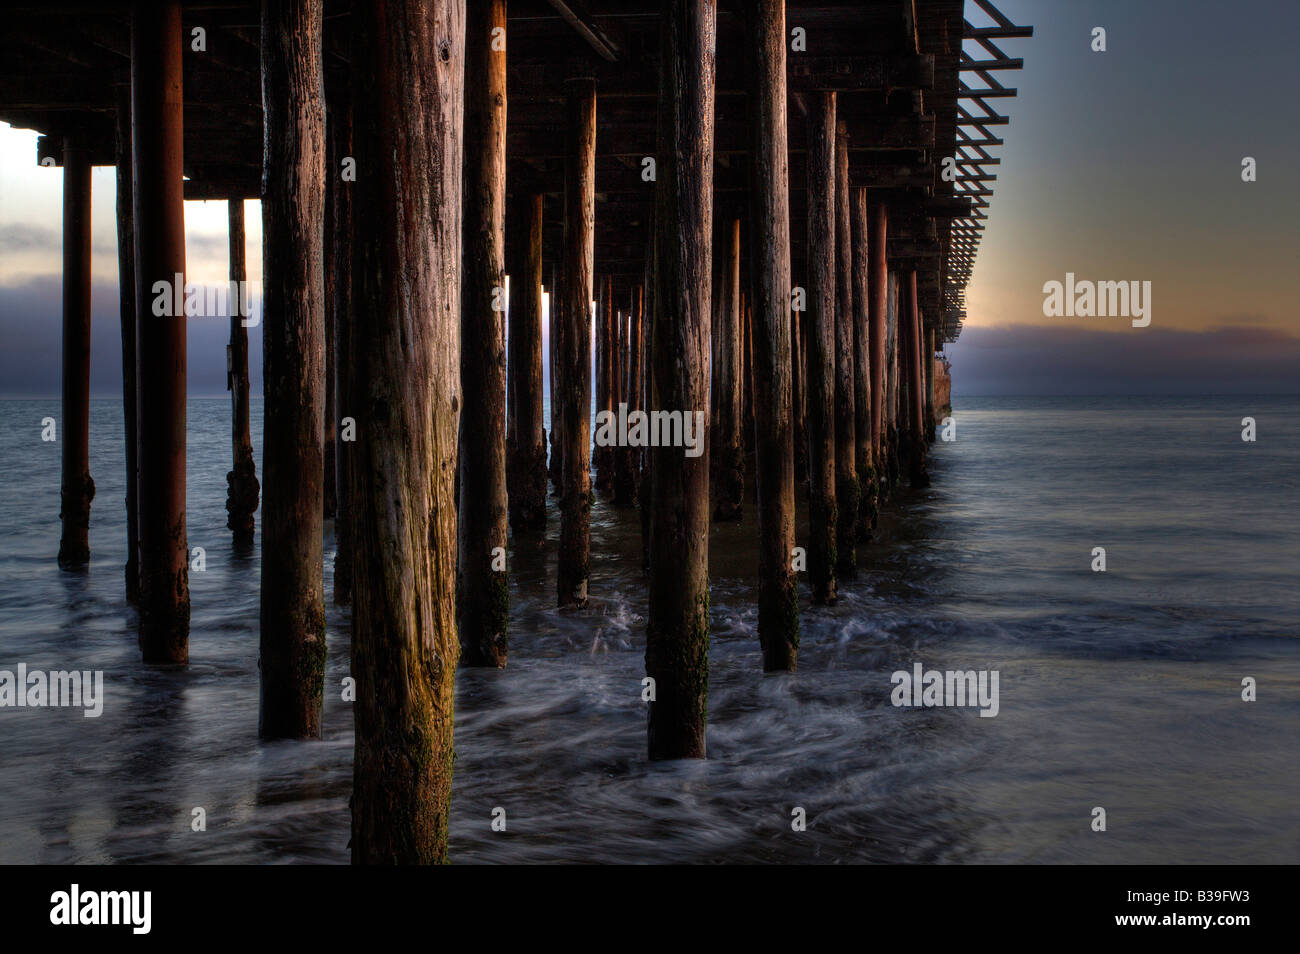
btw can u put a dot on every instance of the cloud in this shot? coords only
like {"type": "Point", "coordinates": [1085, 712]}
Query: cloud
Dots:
{"type": "Point", "coordinates": [1070, 359]}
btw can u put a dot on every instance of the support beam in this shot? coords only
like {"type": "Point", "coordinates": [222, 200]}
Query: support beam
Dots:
{"type": "Point", "coordinates": [156, 136]}
{"type": "Point", "coordinates": [338, 134]}
{"type": "Point", "coordinates": [293, 370]}
{"type": "Point", "coordinates": [575, 347]}
{"type": "Point", "coordinates": [822, 287]}
{"type": "Point", "coordinates": [847, 490]}
{"type": "Point", "coordinates": [484, 593]}
{"type": "Point", "coordinates": [603, 453]}
{"type": "Point", "coordinates": [555, 338]}
{"type": "Point", "coordinates": [130, 372]}
{"type": "Point", "coordinates": [728, 450]}
{"type": "Point", "coordinates": [877, 309]}
{"type": "Point", "coordinates": [242, 488]}
{"type": "Point", "coordinates": [77, 488]}
{"type": "Point", "coordinates": [408, 68]}
{"type": "Point", "coordinates": [527, 478]}
{"type": "Point", "coordinates": [778, 602]}
{"type": "Point", "coordinates": [677, 633]}
{"type": "Point", "coordinates": [627, 472]}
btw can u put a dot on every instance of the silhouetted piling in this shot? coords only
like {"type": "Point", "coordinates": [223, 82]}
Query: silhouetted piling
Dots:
{"type": "Point", "coordinates": [339, 144]}
{"type": "Point", "coordinates": [846, 463]}
{"type": "Point", "coordinates": [728, 451]}
{"type": "Point", "coordinates": [915, 414]}
{"type": "Point", "coordinates": [821, 396]}
{"type": "Point", "coordinates": [862, 407]}
{"type": "Point", "coordinates": [127, 315]}
{"type": "Point", "coordinates": [484, 596]}
{"type": "Point", "coordinates": [242, 488]}
{"type": "Point", "coordinates": [627, 470]}
{"type": "Point", "coordinates": [77, 489]}
{"type": "Point", "coordinates": [156, 141]}
{"type": "Point", "coordinates": [526, 477]}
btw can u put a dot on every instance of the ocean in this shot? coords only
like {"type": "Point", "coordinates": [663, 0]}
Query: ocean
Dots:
{"type": "Point", "coordinates": [1119, 690]}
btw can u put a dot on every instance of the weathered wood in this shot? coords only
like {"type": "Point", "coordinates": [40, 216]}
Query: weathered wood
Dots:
{"type": "Point", "coordinates": [862, 406]}
{"type": "Point", "coordinates": [890, 437]}
{"type": "Point", "coordinates": [728, 449]}
{"type": "Point", "coordinates": [575, 346]}
{"type": "Point", "coordinates": [915, 390]}
{"type": "Point", "coordinates": [527, 477]}
{"type": "Point", "coordinates": [126, 305]}
{"type": "Point", "coordinates": [329, 419]}
{"type": "Point", "coordinates": [242, 488]}
{"type": "Point", "coordinates": [483, 600]}
{"type": "Point", "coordinates": [778, 604]}
{"type": "Point", "coordinates": [293, 370]}
{"type": "Point", "coordinates": [156, 139]}
{"type": "Point", "coordinates": [847, 490]}
{"type": "Point", "coordinates": [339, 144]}
{"type": "Point", "coordinates": [821, 368]}
{"type": "Point", "coordinates": [799, 392]}
{"type": "Point", "coordinates": [77, 488]}
{"type": "Point", "coordinates": [927, 368]}
{"type": "Point", "coordinates": [408, 85]}
{"type": "Point", "coordinates": [677, 632]}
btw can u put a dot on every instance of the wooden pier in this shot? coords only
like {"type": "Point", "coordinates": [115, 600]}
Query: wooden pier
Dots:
{"type": "Point", "coordinates": [772, 207]}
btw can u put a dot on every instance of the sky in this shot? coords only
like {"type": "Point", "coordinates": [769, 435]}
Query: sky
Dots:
{"type": "Point", "coordinates": [1123, 165]}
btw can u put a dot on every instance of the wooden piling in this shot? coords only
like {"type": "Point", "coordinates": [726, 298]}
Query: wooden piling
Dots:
{"type": "Point", "coordinates": [627, 465]}
{"type": "Point", "coordinates": [555, 339]}
{"type": "Point", "coordinates": [822, 349]}
{"type": "Point", "coordinates": [126, 308]}
{"type": "Point", "coordinates": [799, 392]}
{"type": "Point", "coordinates": [778, 603]}
{"type": "Point", "coordinates": [408, 85]}
{"type": "Point", "coordinates": [156, 140]}
{"type": "Point", "coordinates": [484, 596]}
{"type": "Point", "coordinates": [602, 454]}
{"type": "Point", "coordinates": [862, 362]}
{"type": "Point", "coordinates": [526, 479]}
{"type": "Point", "coordinates": [575, 346]}
{"type": "Point", "coordinates": [728, 450]}
{"type": "Point", "coordinates": [242, 488]}
{"type": "Point", "coordinates": [677, 632]}
{"type": "Point", "coordinates": [78, 489]}
{"type": "Point", "coordinates": [927, 367]}
{"type": "Point", "coordinates": [915, 414]}
{"type": "Point", "coordinates": [293, 370]}
{"type": "Point", "coordinates": [877, 312]}
{"type": "Point", "coordinates": [847, 490]}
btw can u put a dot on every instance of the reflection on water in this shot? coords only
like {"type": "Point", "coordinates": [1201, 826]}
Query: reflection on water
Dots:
{"type": "Point", "coordinates": [1118, 690]}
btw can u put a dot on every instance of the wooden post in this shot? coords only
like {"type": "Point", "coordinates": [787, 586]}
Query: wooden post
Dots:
{"type": "Point", "coordinates": [877, 313]}
{"type": "Point", "coordinates": [778, 602]}
{"type": "Point", "coordinates": [77, 490]}
{"type": "Point", "coordinates": [156, 117]}
{"type": "Point", "coordinates": [927, 366]}
{"type": "Point", "coordinates": [484, 596]}
{"type": "Point", "coordinates": [677, 633]}
{"type": "Point", "coordinates": [915, 387]}
{"type": "Point", "coordinates": [575, 348]}
{"type": "Point", "coordinates": [627, 470]}
{"type": "Point", "coordinates": [293, 370]}
{"type": "Point", "coordinates": [864, 410]}
{"type": "Point", "coordinates": [799, 392]}
{"type": "Point", "coordinates": [126, 306]}
{"type": "Point", "coordinates": [555, 338]}
{"type": "Point", "coordinates": [339, 145]}
{"type": "Point", "coordinates": [602, 454]}
{"type": "Point", "coordinates": [241, 481]}
{"type": "Point", "coordinates": [728, 442]}
{"type": "Point", "coordinates": [527, 478]}
{"type": "Point", "coordinates": [329, 418]}
{"type": "Point", "coordinates": [822, 288]}
{"type": "Point", "coordinates": [847, 490]}
{"type": "Point", "coordinates": [408, 86]}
